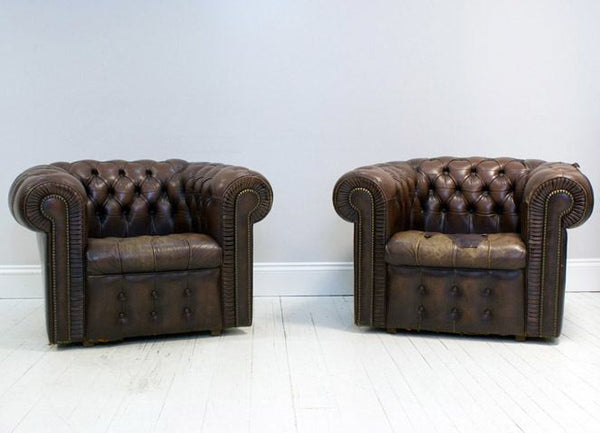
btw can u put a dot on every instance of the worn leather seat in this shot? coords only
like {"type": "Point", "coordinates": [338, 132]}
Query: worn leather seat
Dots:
{"type": "Point", "coordinates": [144, 247]}
{"type": "Point", "coordinates": [466, 245]}
{"type": "Point", "coordinates": [176, 252]}
{"type": "Point", "coordinates": [458, 250]}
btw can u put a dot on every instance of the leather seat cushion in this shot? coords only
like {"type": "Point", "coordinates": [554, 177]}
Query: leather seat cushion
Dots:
{"type": "Point", "coordinates": [176, 252]}
{"type": "Point", "coordinates": [480, 251]}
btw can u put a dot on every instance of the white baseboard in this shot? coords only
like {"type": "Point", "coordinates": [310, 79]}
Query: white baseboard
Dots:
{"type": "Point", "coordinates": [21, 281]}
{"type": "Point", "coordinates": [289, 279]}
{"type": "Point", "coordinates": [303, 279]}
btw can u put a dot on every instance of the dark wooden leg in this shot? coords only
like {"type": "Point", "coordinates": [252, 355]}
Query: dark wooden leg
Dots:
{"type": "Point", "coordinates": [87, 343]}
{"type": "Point", "coordinates": [216, 332]}
{"type": "Point", "coordinates": [391, 330]}
{"type": "Point", "coordinates": [520, 338]}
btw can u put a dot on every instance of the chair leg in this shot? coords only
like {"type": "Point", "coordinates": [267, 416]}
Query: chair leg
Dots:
{"type": "Point", "coordinates": [216, 332]}
{"type": "Point", "coordinates": [392, 330]}
{"type": "Point", "coordinates": [87, 343]}
{"type": "Point", "coordinates": [520, 338]}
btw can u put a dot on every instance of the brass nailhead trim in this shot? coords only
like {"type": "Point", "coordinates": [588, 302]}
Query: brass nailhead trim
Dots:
{"type": "Point", "coordinates": [543, 269]}
{"type": "Point", "coordinates": [53, 260]}
{"type": "Point", "coordinates": [236, 272]}
{"type": "Point", "coordinates": [360, 232]}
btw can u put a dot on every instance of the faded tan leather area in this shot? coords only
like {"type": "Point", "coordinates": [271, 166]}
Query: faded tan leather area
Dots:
{"type": "Point", "coordinates": [476, 251]}
{"type": "Point", "coordinates": [177, 252]}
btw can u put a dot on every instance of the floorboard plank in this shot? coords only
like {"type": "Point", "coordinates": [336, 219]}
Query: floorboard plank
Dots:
{"type": "Point", "coordinates": [302, 367]}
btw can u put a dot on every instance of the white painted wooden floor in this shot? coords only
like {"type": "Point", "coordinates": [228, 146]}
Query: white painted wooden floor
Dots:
{"type": "Point", "coordinates": [302, 367]}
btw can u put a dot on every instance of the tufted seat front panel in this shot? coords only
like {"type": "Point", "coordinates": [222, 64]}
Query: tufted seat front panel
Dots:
{"type": "Point", "coordinates": [152, 303]}
{"type": "Point", "coordinates": [177, 252]}
{"type": "Point", "coordinates": [133, 198]}
{"type": "Point", "coordinates": [469, 195]}
{"type": "Point", "coordinates": [470, 301]}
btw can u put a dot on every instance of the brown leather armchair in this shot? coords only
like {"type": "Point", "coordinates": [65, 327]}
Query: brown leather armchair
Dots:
{"type": "Point", "coordinates": [462, 245]}
{"type": "Point", "coordinates": [142, 248]}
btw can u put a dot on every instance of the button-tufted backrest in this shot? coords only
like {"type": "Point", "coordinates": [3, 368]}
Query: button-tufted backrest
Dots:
{"type": "Point", "coordinates": [469, 195]}
{"type": "Point", "coordinates": [133, 198]}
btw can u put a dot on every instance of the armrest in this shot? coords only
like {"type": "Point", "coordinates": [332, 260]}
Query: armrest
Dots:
{"type": "Point", "coordinates": [557, 196]}
{"type": "Point", "coordinates": [48, 199]}
{"type": "Point", "coordinates": [378, 200]}
{"type": "Point", "coordinates": [225, 202]}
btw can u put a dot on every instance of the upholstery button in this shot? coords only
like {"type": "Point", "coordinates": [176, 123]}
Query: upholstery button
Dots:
{"type": "Point", "coordinates": [187, 292]}
{"type": "Point", "coordinates": [501, 173]}
{"type": "Point", "coordinates": [148, 172]}
{"type": "Point", "coordinates": [454, 313]}
{"type": "Point", "coordinates": [94, 172]}
{"type": "Point", "coordinates": [446, 171]}
{"type": "Point", "coordinates": [187, 312]}
{"type": "Point", "coordinates": [153, 314]}
{"type": "Point", "coordinates": [421, 309]}
{"type": "Point", "coordinates": [487, 315]}
{"type": "Point", "coordinates": [422, 289]}
{"type": "Point", "coordinates": [454, 290]}
{"type": "Point", "coordinates": [154, 294]}
{"type": "Point", "coordinates": [122, 296]}
{"type": "Point", "coordinates": [473, 170]}
{"type": "Point", "coordinates": [121, 172]}
{"type": "Point", "coordinates": [122, 317]}
{"type": "Point", "coordinates": [487, 292]}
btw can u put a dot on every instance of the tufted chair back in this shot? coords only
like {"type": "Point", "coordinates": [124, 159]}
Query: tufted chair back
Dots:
{"type": "Point", "coordinates": [133, 198]}
{"type": "Point", "coordinates": [469, 195]}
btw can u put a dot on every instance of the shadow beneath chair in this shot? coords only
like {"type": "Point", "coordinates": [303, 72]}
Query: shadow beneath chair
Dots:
{"type": "Point", "coordinates": [155, 339]}
{"type": "Point", "coordinates": [431, 335]}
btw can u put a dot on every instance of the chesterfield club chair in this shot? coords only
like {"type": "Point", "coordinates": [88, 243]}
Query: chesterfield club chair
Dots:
{"type": "Point", "coordinates": [462, 245]}
{"type": "Point", "coordinates": [142, 248]}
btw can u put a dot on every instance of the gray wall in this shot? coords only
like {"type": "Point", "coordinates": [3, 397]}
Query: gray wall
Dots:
{"type": "Point", "coordinates": [299, 90]}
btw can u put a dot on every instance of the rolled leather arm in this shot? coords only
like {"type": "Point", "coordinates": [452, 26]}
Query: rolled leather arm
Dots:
{"type": "Point", "coordinates": [378, 200]}
{"type": "Point", "coordinates": [557, 196]}
{"type": "Point", "coordinates": [48, 199]}
{"type": "Point", "coordinates": [225, 202]}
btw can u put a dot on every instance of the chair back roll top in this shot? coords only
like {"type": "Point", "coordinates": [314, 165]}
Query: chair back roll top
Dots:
{"type": "Point", "coordinates": [133, 198]}
{"type": "Point", "coordinates": [469, 195]}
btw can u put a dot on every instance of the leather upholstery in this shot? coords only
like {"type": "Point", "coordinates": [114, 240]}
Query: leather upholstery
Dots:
{"type": "Point", "coordinates": [469, 301]}
{"type": "Point", "coordinates": [129, 305]}
{"type": "Point", "coordinates": [483, 251]}
{"type": "Point", "coordinates": [177, 252]}
{"type": "Point", "coordinates": [531, 199]}
{"type": "Point", "coordinates": [81, 203]}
